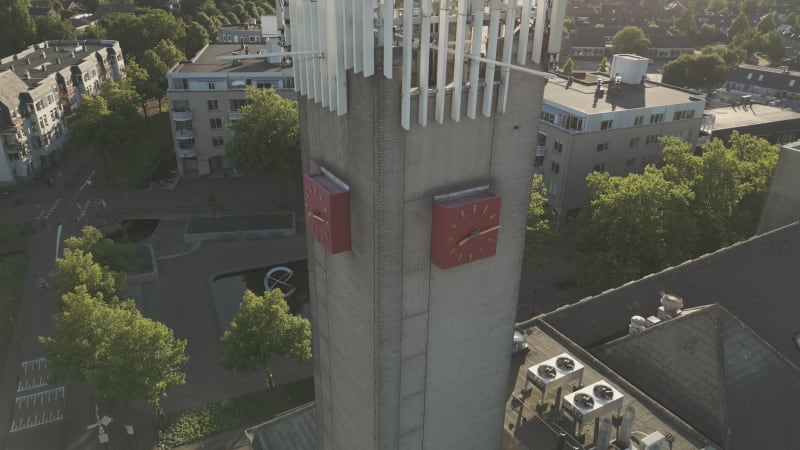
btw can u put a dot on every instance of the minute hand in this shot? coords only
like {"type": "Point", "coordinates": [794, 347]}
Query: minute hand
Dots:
{"type": "Point", "coordinates": [477, 233]}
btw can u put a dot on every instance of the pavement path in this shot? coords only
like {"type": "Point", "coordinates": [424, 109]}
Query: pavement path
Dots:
{"type": "Point", "coordinates": [56, 417]}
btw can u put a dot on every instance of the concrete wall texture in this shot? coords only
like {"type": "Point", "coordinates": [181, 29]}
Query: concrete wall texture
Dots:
{"type": "Point", "coordinates": [408, 356]}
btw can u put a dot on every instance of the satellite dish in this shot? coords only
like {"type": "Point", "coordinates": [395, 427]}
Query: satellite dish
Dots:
{"type": "Point", "coordinates": [278, 278]}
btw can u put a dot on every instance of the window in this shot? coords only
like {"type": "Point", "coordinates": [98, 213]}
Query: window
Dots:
{"type": "Point", "coordinates": [552, 188]}
{"type": "Point", "coordinates": [602, 147]}
{"type": "Point", "coordinates": [635, 142]}
{"type": "Point", "coordinates": [638, 121]}
{"type": "Point", "coordinates": [548, 117]}
{"type": "Point", "coordinates": [791, 83]}
{"type": "Point", "coordinates": [571, 122]}
{"type": "Point", "coordinates": [555, 166]}
{"type": "Point", "coordinates": [761, 77]}
{"type": "Point", "coordinates": [600, 167]}
{"type": "Point", "coordinates": [541, 140]}
{"type": "Point", "coordinates": [538, 161]}
{"type": "Point", "coordinates": [630, 162]}
{"type": "Point", "coordinates": [558, 146]}
{"type": "Point", "coordinates": [606, 124]}
{"type": "Point", "coordinates": [13, 157]}
{"type": "Point", "coordinates": [652, 139]}
{"type": "Point", "coordinates": [689, 114]}
{"type": "Point", "coordinates": [750, 76]}
{"type": "Point", "coordinates": [215, 122]}
{"type": "Point", "coordinates": [253, 38]}
{"type": "Point", "coordinates": [656, 118]}
{"type": "Point", "coordinates": [213, 105]}
{"type": "Point", "coordinates": [236, 104]}
{"type": "Point", "coordinates": [263, 85]}
{"type": "Point", "coordinates": [681, 115]}
{"type": "Point", "coordinates": [212, 86]}
{"type": "Point", "coordinates": [217, 141]}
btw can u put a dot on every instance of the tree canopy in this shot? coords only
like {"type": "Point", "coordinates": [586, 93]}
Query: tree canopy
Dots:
{"type": "Point", "coordinates": [738, 25]}
{"type": "Point", "coordinates": [266, 138]}
{"type": "Point", "coordinates": [262, 329]}
{"type": "Point", "coordinates": [706, 70]}
{"type": "Point", "coordinates": [690, 205]}
{"type": "Point", "coordinates": [106, 252]}
{"type": "Point", "coordinates": [77, 268]}
{"type": "Point", "coordinates": [94, 343]}
{"type": "Point", "coordinates": [17, 28]}
{"type": "Point", "coordinates": [52, 28]}
{"type": "Point", "coordinates": [539, 231]}
{"type": "Point", "coordinates": [630, 40]}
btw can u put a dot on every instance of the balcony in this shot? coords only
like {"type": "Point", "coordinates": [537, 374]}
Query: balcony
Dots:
{"type": "Point", "coordinates": [188, 152]}
{"type": "Point", "coordinates": [184, 134]}
{"type": "Point", "coordinates": [236, 115]}
{"type": "Point", "coordinates": [181, 115]}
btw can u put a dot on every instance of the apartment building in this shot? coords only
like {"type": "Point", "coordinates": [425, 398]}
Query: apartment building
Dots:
{"type": "Point", "coordinates": [38, 86]}
{"type": "Point", "coordinates": [609, 126]}
{"type": "Point", "coordinates": [206, 95]}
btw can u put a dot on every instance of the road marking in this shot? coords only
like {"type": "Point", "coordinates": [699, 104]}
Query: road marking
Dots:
{"type": "Point", "coordinates": [45, 214]}
{"type": "Point", "coordinates": [88, 180]}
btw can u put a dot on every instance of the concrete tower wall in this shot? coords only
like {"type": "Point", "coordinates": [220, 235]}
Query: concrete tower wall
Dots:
{"type": "Point", "coordinates": [408, 356]}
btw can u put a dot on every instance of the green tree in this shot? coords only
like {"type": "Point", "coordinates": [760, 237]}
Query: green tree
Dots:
{"type": "Point", "coordinates": [701, 71]}
{"type": "Point", "coordinates": [136, 34]}
{"type": "Point", "coordinates": [240, 12]}
{"type": "Point", "coordinates": [767, 24]}
{"type": "Point", "coordinates": [122, 99]}
{"type": "Point", "coordinates": [266, 138]}
{"type": "Point", "coordinates": [738, 25]}
{"type": "Point", "coordinates": [686, 23]}
{"type": "Point", "coordinates": [17, 28]}
{"type": "Point", "coordinates": [156, 74]}
{"type": "Point", "coordinates": [540, 234]}
{"type": "Point", "coordinates": [211, 28]}
{"type": "Point", "coordinates": [263, 329]}
{"type": "Point", "coordinates": [790, 19]}
{"type": "Point", "coordinates": [772, 45]}
{"type": "Point", "coordinates": [94, 343]}
{"type": "Point", "coordinates": [630, 40]}
{"type": "Point", "coordinates": [232, 17]}
{"type": "Point", "coordinates": [169, 53]}
{"type": "Point", "coordinates": [568, 66]}
{"type": "Point", "coordinates": [51, 28]}
{"type": "Point", "coordinates": [94, 126]}
{"type": "Point", "coordinates": [708, 33]}
{"type": "Point", "coordinates": [633, 226]}
{"type": "Point", "coordinates": [750, 7]}
{"type": "Point", "coordinates": [603, 66]}
{"type": "Point", "coordinates": [251, 9]}
{"type": "Point", "coordinates": [106, 252]}
{"type": "Point", "coordinates": [731, 55]}
{"type": "Point", "coordinates": [77, 268]}
{"type": "Point", "coordinates": [140, 80]}
{"type": "Point", "coordinates": [196, 38]}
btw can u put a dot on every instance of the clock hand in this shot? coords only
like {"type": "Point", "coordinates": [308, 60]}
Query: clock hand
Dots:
{"type": "Point", "coordinates": [477, 233]}
{"type": "Point", "coordinates": [315, 215]}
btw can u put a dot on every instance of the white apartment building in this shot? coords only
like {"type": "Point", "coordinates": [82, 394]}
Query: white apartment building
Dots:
{"type": "Point", "coordinates": [37, 87]}
{"type": "Point", "coordinates": [609, 127]}
{"type": "Point", "coordinates": [205, 96]}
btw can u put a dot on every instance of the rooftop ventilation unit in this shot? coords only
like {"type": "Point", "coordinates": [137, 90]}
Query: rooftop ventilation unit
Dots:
{"type": "Point", "coordinates": [653, 441]}
{"type": "Point", "coordinates": [592, 402]}
{"type": "Point", "coordinates": [554, 373]}
{"type": "Point", "coordinates": [670, 306]}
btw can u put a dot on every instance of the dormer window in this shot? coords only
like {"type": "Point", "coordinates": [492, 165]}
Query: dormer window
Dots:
{"type": "Point", "coordinates": [750, 76]}
{"type": "Point", "coordinates": [791, 83]}
{"type": "Point", "coordinates": [761, 77]}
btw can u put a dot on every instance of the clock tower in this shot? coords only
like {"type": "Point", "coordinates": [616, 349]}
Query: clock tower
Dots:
{"type": "Point", "coordinates": [417, 167]}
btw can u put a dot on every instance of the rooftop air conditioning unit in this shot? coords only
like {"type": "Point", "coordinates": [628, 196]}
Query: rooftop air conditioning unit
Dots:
{"type": "Point", "coordinates": [554, 373]}
{"type": "Point", "coordinates": [593, 401]}
{"type": "Point", "coordinates": [653, 441]}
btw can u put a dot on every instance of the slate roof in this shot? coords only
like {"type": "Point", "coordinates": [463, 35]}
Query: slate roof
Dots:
{"type": "Point", "coordinates": [664, 41]}
{"type": "Point", "coordinates": [293, 430]}
{"type": "Point", "coordinates": [772, 78]}
{"type": "Point", "coordinates": [11, 86]}
{"type": "Point", "coordinates": [756, 280]}
{"type": "Point", "coordinates": [710, 369]}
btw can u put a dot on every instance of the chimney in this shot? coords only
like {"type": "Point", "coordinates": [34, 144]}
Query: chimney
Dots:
{"type": "Point", "coordinates": [670, 306]}
{"type": "Point", "coordinates": [44, 67]}
{"type": "Point", "coordinates": [27, 75]}
{"type": "Point", "coordinates": [44, 55]}
{"type": "Point", "coordinates": [12, 67]}
{"type": "Point", "coordinates": [72, 54]}
{"type": "Point", "coordinates": [28, 61]}
{"type": "Point", "coordinates": [624, 437]}
{"type": "Point", "coordinates": [58, 61]}
{"type": "Point", "coordinates": [56, 48]}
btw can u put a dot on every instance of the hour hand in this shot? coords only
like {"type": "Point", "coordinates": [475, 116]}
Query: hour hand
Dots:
{"type": "Point", "coordinates": [315, 215]}
{"type": "Point", "coordinates": [488, 230]}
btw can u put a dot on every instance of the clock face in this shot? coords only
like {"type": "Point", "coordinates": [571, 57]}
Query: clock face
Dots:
{"type": "Point", "coordinates": [465, 228]}
{"type": "Point", "coordinates": [327, 211]}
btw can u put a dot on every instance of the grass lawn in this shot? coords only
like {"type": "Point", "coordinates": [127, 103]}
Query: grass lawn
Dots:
{"type": "Point", "coordinates": [13, 267]}
{"type": "Point", "coordinates": [249, 409]}
{"type": "Point", "coordinates": [139, 157]}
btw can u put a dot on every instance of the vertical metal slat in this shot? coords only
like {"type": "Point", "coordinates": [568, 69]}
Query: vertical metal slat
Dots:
{"type": "Point", "coordinates": [508, 45]}
{"type": "Point", "coordinates": [424, 58]}
{"type": "Point", "coordinates": [458, 62]}
{"type": "Point", "coordinates": [491, 54]}
{"type": "Point", "coordinates": [524, 32]}
{"type": "Point", "coordinates": [475, 65]}
{"type": "Point", "coordinates": [408, 29]}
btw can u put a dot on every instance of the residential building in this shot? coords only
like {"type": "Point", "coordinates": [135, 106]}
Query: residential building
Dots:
{"type": "Point", "coordinates": [776, 124]}
{"type": "Point", "coordinates": [763, 83]}
{"type": "Point", "coordinates": [41, 84]}
{"type": "Point", "coordinates": [206, 95]}
{"type": "Point", "coordinates": [249, 33]}
{"type": "Point", "coordinates": [783, 201]}
{"type": "Point", "coordinates": [608, 126]}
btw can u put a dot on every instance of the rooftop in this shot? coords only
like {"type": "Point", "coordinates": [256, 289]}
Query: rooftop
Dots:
{"type": "Point", "coordinates": [727, 117]}
{"type": "Point", "coordinates": [540, 430]}
{"type": "Point", "coordinates": [581, 96]}
{"type": "Point", "coordinates": [56, 55]}
{"type": "Point", "coordinates": [206, 62]}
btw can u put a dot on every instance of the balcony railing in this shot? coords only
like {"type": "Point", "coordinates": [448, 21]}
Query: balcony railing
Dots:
{"type": "Point", "coordinates": [184, 134]}
{"type": "Point", "coordinates": [236, 115]}
{"type": "Point", "coordinates": [189, 152]}
{"type": "Point", "coordinates": [181, 116]}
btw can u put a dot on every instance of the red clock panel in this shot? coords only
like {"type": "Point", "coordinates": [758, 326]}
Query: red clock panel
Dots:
{"type": "Point", "coordinates": [465, 228]}
{"type": "Point", "coordinates": [327, 211]}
